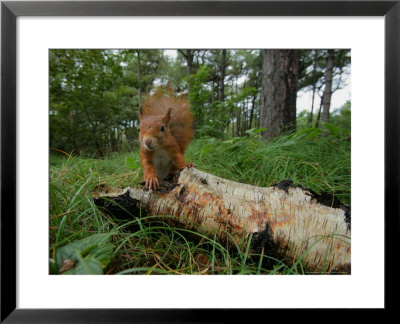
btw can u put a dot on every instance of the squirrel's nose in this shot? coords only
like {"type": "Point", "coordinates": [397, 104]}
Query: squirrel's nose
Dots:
{"type": "Point", "coordinates": [147, 141]}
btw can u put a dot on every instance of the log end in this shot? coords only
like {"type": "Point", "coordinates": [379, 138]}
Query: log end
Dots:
{"type": "Point", "coordinates": [103, 190]}
{"type": "Point", "coordinates": [117, 202]}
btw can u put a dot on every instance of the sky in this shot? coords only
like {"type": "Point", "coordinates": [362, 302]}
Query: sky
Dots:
{"type": "Point", "coordinates": [304, 98]}
{"type": "Point", "coordinates": [339, 97]}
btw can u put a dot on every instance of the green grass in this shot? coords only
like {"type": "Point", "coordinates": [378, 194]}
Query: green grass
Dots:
{"type": "Point", "coordinates": [148, 246]}
{"type": "Point", "coordinates": [321, 165]}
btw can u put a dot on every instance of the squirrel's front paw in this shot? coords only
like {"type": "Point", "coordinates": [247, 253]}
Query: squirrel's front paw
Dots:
{"type": "Point", "coordinates": [151, 182]}
{"type": "Point", "coordinates": [191, 165]}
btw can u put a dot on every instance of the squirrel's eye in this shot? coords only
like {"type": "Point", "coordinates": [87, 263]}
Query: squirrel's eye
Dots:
{"type": "Point", "coordinates": [162, 128]}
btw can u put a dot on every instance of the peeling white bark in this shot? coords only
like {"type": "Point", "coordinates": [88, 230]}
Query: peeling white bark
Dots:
{"type": "Point", "coordinates": [287, 223]}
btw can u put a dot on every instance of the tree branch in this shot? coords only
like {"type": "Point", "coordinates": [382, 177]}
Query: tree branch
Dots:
{"type": "Point", "coordinates": [183, 53]}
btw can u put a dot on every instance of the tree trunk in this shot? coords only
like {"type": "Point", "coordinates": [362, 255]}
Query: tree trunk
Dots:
{"type": "Point", "coordinates": [244, 114]}
{"type": "Point", "coordinates": [189, 62]}
{"type": "Point", "coordinates": [284, 221]}
{"type": "Point", "coordinates": [319, 112]}
{"type": "Point", "coordinates": [97, 144]}
{"type": "Point", "coordinates": [140, 82]}
{"type": "Point", "coordinates": [71, 132]}
{"type": "Point", "coordinates": [238, 111]}
{"type": "Point", "coordinates": [222, 80]}
{"type": "Point", "coordinates": [213, 91]}
{"type": "Point", "coordinates": [279, 91]}
{"type": "Point", "coordinates": [326, 102]}
{"type": "Point", "coordinates": [253, 103]}
{"type": "Point", "coordinates": [231, 110]}
{"type": "Point", "coordinates": [238, 121]}
{"type": "Point", "coordinates": [310, 117]}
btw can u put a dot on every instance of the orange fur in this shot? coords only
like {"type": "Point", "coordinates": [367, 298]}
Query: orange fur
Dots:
{"type": "Point", "coordinates": [166, 129]}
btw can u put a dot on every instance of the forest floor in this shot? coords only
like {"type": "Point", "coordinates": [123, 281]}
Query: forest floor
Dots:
{"type": "Point", "coordinates": [83, 239]}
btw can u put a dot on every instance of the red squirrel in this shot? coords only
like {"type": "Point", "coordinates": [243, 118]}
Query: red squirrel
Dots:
{"type": "Point", "coordinates": [165, 131]}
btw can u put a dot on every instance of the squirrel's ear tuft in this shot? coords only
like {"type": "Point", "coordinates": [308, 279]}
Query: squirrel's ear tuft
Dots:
{"type": "Point", "coordinates": [167, 117]}
{"type": "Point", "coordinates": [140, 113]}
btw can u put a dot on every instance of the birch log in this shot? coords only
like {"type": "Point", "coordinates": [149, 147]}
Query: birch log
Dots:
{"type": "Point", "coordinates": [286, 221]}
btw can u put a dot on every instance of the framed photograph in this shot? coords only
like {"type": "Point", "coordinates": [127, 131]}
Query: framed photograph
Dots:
{"type": "Point", "coordinates": [44, 49]}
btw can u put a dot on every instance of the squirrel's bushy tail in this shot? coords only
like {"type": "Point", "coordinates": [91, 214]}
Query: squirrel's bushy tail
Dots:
{"type": "Point", "coordinates": [181, 122]}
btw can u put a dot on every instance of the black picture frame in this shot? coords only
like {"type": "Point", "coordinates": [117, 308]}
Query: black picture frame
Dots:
{"type": "Point", "coordinates": [11, 10]}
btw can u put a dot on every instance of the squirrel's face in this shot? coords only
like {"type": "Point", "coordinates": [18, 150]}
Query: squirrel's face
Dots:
{"type": "Point", "coordinates": [153, 132]}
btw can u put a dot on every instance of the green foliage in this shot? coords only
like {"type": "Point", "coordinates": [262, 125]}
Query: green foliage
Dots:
{"type": "Point", "coordinates": [87, 256]}
{"type": "Point", "coordinates": [342, 117]}
{"type": "Point", "coordinates": [94, 98]}
{"type": "Point", "coordinates": [309, 133]}
{"type": "Point", "coordinates": [256, 132]}
{"type": "Point", "coordinates": [132, 163]}
{"type": "Point", "coordinates": [207, 131]}
{"type": "Point", "coordinates": [212, 115]}
{"type": "Point", "coordinates": [199, 94]}
{"type": "Point", "coordinates": [83, 107]}
{"type": "Point", "coordinates": [339, 125]}
{"type": "Point", "coordinates": [319, 163]}
{"type": "Point", "coordinates": [333, 129]}
{"type": "Point", "coordinates": [312, 66]}
{"type": "Point", "coordinates": [95, 94]}
{"type": "Point", "coordinates": [143, 246]}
